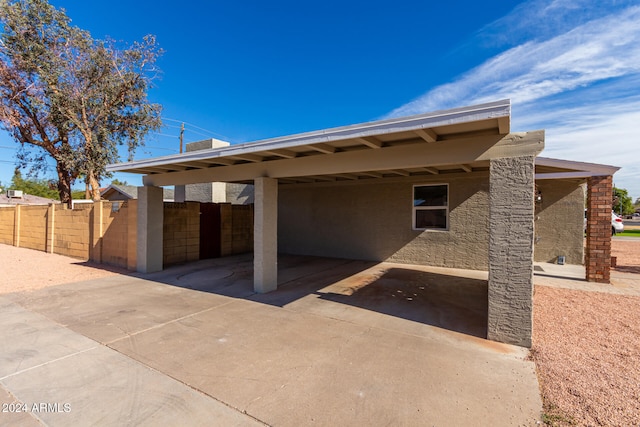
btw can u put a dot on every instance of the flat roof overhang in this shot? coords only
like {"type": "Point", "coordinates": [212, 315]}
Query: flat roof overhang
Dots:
{"type": "Point", "coordinates": [457, 140]}
{"type": "Point", "coordinates": [547, 168]}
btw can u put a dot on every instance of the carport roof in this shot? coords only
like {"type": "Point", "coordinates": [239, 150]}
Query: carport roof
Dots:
{"type": "Point", "coordinates": [547, 168]}
{"type": "Point", "coordinates": [488, 119]}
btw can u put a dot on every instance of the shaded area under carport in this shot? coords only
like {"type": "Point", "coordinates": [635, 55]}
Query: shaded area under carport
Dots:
{"type": "Point", "coordinates": [451, 299]}
{"type": "Point", "coordinates": [339, 343]}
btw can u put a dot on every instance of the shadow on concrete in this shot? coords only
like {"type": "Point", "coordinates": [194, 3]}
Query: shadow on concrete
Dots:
{"type": "Point", "coordinates": [445, 301]}
{"type": "Point", "coordinates": [105, 267]}
{"type": "Point", "coordinates": [455, 303]}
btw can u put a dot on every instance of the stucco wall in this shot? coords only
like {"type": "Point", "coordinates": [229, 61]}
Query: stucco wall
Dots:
{"type": "Point", "coordinates": [559, 222]}
{"type": "Point", "coordinates": [373, 221]}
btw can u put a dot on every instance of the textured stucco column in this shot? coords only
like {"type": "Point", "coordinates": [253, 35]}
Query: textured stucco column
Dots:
{"type": "Point", "coordinates": [265, 235]}
{"type": "Point", "coordinates": [598, 251]}
{"type": "Point", "coordinates": [150, 222]}
{"type": "Point", "coordinates": [511, 214]}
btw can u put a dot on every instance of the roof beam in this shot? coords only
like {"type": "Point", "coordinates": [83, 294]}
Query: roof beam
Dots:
{"type": "Point", "coordinates": [466, 168]}
{"type": "Point", "coordinates": [323, 148]}
{"type": "Point", "coordinates": [248, 157]}
{"type": "Point", "coordinates": [195, 164]}
{"type": "Point", "coordinates": [345, 176]}
{"type": "Point", "coordinates": [432, 171]}
{"type": "Point", "coordinates": [399, 172]}
{"type": "Point", "coordinates": [427, 134]}
{"type": "Point", "coordinates": [405, 156]}
{"type": "Point", "coordinates": [371, 174]}
{"type": "Point", "coordinates": [217, 161]}
{"type": "Point", "coordinates": [287, 154]}
{"type": "Point", "coordinates": [504, 125]}
{"type": "Point", "coordinates": [322, 178]}
{"type": "Point", "coordinates": [369, 141]}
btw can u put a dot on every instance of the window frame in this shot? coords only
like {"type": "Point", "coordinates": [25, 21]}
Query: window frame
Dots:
{"type": "Point", "coordinates": [415, 209]}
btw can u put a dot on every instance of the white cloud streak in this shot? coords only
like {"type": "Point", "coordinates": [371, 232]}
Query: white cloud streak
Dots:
{"type": "Point", "coordinates": [581, 83]}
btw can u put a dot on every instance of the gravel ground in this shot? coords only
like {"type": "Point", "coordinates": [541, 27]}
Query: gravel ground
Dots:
{"type": "Point", "coordinates": [19, 274]}
{"type": "Point", "coordinates": [587, 351]}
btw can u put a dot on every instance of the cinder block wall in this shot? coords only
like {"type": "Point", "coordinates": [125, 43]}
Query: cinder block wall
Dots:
{"type": "Point", "coordinates": [373, 221]}
{"type": "Point", "coordinates": [71, 231]}
{"type": "Point", "coordinates": [559, 222]}
{"type": "Point", "coordinates": [181, 240]}
{"type": "Point", "coordinates": [115, 239]}
{"type": "Point", "coordinates": [33, 227]}
{"type": "Point", "coordinates": [7, 217]}
{"type": "Point", "coordinates": [236, 229]}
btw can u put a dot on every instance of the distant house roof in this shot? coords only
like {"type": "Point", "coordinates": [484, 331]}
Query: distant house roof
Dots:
{"type": "Point", "coordinates": [26, 199]}
{"type": "Point", "coordinates": [123, 192]}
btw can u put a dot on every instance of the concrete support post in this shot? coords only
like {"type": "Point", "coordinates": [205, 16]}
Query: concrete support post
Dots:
{"type": "Point", "coordinates": [150, 228]}
{"type": "Point", "coordinates": [51, 213]}
{"type": "Point", "coordinates": [598, 251]}
{"type": "Point", "coordinates": [511, 219]}
{"type": "Point", "coordinates": [132, 234]}
{"type": "Point", "coordinates": [265, 235]}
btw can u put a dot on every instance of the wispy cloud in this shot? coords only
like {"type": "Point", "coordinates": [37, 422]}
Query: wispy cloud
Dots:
{"type": "Point", "coordinates": [578, 77]}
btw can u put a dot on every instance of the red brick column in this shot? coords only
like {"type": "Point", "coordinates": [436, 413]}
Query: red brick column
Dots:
{"type": "Point", "coordinates": [598, 251]}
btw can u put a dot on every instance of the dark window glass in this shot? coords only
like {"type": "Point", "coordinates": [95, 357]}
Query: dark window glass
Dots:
{"type": "Point", "coordinates": [431, 218]}
{"type": "Point", "coordinates": [430, 195]}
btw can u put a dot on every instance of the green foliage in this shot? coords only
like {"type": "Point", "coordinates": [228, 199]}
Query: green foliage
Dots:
{"type": "Point", "coordinates": [67, 96]}
{"type": "Point", "coordinates": [118, 182]}
{"type": "Point", "coordinates": [34, 187]}
{"type": "Point", "coordinates": [78, 194]}
{"type": "Point", "coordinates": [630, 233]}
{"type": "Point", "coordinates": [622, 202]}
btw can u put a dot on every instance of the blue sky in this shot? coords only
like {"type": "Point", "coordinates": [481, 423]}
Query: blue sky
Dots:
{"type": "Point", "coordinates": [244, 71]}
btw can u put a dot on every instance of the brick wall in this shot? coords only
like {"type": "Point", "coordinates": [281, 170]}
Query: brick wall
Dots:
{"type": "Point", "coordinates": [598, 250]}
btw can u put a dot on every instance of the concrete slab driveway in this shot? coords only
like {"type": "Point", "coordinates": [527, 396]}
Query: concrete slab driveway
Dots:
{"type": "Point", "coordinates": [340, 343]}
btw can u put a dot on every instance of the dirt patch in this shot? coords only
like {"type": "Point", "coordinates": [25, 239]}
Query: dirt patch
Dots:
{"type": "Point", "coordinates": [19, 274]}
{"type": "Point", "coordinates": [587, 351]}
{"type": "Point", "coordinates": [627, 253]}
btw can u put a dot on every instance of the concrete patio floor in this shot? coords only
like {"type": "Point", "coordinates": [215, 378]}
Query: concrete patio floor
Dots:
{"type": "Point", "coordinates": [340, 343]}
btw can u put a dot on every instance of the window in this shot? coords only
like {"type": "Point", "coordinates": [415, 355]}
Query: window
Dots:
{"type": "Point", "coordinates": [431, 207]}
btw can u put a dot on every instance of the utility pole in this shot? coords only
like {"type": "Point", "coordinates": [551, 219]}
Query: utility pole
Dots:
{"type": "Point", "coordinates": [181, 135]}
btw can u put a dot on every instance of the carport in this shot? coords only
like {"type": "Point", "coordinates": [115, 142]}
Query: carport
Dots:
{"type": "Point", "coordinates": [445, 151]}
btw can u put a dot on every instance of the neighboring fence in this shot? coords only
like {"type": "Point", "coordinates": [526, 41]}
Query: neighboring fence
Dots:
{"type": "Point", "coordinates": [106, 232]}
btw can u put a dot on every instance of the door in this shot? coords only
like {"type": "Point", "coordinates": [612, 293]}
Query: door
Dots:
{"type": "Point", "coordinates": [209, 230]}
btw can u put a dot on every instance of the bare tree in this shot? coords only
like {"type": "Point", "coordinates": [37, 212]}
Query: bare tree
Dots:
{"type": "Point", "coordinates": [70, 97]}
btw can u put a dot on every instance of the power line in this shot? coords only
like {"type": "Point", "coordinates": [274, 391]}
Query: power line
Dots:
{"type": "Point", "coordinates": [198, 127]}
